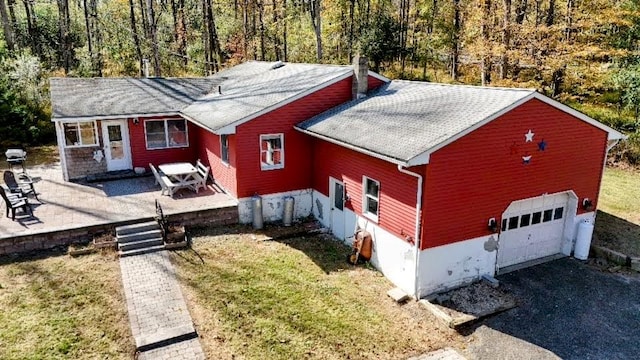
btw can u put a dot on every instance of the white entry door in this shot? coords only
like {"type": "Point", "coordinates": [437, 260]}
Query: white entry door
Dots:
{"type": "Point", "coordinates": [532, 229]}
{"type": "Point", "coordinates": [117, 151]}
{"type": "Point", "coordinates": [336, 197]}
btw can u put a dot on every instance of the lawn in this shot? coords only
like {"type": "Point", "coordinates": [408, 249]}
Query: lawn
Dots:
{"type": "Point", "coordinates": [297, 298]}
{"type": "Point", "coordinates": [618, 219]}
{"type": "Point", "coordinates": [58, 307]}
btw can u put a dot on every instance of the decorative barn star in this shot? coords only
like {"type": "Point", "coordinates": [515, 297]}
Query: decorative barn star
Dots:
{"type": "Point", "coordinates": [528, 136]}
{"type": "Point", "coordinates": [542, 145]}
{"type": "Point", "coordinates": [526, 159]}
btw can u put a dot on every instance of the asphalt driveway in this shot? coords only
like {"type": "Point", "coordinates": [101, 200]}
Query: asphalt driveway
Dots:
{"type": "Point", "coordinates": [566, 309]}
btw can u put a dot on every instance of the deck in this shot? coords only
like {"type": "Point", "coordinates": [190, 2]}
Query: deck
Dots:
{"type": "Point", "coordinates": [73, 209]}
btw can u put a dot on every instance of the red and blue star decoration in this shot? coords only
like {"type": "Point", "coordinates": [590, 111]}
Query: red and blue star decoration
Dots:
{"type": "Point", "coordinates": [525, 151]}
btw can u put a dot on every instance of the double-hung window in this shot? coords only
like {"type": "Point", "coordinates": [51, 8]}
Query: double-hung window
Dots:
{"type": "Point", "coordinates": [80, 133]}
{"type": "Point", "coordinates": [271, 151]}
{"type": "Point", "coordinates": [224, 148]}
{"type": "Point", "coordinates": [371, 200]}
{"type": "Point", "coordinates": [167, 133]}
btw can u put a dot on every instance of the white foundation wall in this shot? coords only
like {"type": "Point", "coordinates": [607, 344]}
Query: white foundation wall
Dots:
{"type": "Point", "coordinates": [391, 255]}
{"type": "Point", "coordinates": [452, 265]}
{"type": "Point", "coordinates": [273, 206]}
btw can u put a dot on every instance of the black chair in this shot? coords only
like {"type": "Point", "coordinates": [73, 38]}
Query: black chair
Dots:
{"type": "Point", "coordinates": [15, 202]}
{"type": "Point", "coordinates": [24, 186]}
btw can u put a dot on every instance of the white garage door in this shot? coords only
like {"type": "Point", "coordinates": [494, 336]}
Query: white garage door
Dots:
{"type": "Point", "coordinates": [532, 229]}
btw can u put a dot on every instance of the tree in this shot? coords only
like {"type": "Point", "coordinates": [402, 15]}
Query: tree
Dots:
{"type": "Point", "coordinates": [315, 11]}
{"type": "Point", "coordinates": [380, 41]}
{"type": "Point", "coordinates": [6, 26]}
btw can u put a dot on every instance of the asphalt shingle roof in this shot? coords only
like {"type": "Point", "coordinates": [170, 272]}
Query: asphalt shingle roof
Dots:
{"type": "Point", "coordinates": [403, 119]}
{"type": "Point", "coordinates": [91, 97]}
{"type": "Point", "coordinates": [244, 96]}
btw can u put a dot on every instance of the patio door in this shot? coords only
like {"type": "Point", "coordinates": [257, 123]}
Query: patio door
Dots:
{"type": "Point", "coordinates": [117, 151]}
{"type": "Point", "coordinates": [336, 197]}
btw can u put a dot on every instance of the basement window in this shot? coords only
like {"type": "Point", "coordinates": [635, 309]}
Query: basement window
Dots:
{"type": "Point", "coordinates": [78, 134]}
{"type": "Point", "coordinates": [371, 201]}
{"type": "Point", "coordinates": [272, 151]}
{"type": "Point", "coordinates": [224, 148]}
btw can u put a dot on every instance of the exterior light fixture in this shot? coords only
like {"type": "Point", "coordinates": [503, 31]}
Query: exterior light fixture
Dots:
{"type": "Point", "coordinates": [587, 204]}
{"type": "Point", "coordinates": [492, 225]}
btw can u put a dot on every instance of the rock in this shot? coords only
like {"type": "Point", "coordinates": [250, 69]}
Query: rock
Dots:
{"type": "Point", "coordinates": [635, 263]}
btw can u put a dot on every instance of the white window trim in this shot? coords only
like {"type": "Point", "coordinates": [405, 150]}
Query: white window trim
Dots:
{"type": "Point", "coordinates": [223, 161]}
{"type": "Point", "coordinates": [264, 166]}
{"type": "Point", "coordinates": [95, 134]}
{"type": "Point", "coordinates": [166, 134]}
{"type": "Point", "coordinates": [365, 196]}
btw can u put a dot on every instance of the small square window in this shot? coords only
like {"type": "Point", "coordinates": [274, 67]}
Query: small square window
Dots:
{"type": "Point", "coordinates": [80, 133]}
{"type": "Point", "coordinates": [513, 222]}
{"type": "Point", "coordinates": [371, 201]}
{"type": "Point", "coordinates": [536, 217]}
{"type": "Point", "coordinates": [169, 133]}
{"type": "Point", "coordinates": [525, 220]}
{"type": "Point", "coordinates": [271, 152]}
{"type": "Point", "coordinates": [547, 215]}
{"type": "Point", "coordinates": [557, 213]}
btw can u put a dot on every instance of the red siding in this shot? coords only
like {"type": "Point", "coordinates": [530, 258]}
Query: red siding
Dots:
{"type": "Point", "coordinates": [209, 152]}
{"type": "Point", "coordinates": [397, 212]}
{"type": "Point", "coordinates": [478, 176]}
{"type": "Point", "coordinates": [141, 157]}
{"type": "Point", "coordinates": [297, 170]}
{"type": "Point", "coordinates": [374, 83]}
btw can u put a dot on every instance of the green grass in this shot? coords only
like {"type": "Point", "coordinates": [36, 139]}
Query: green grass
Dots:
{"type": "Point", "coordinates": [618, 220]}
{"type": "Point", "coordinates": [63, 308]}
{"type": "Point", "coordinates": [297, 299]}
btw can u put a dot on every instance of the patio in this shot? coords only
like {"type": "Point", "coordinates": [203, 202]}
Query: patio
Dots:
{"type": "Point", "coordinates": [68, 205]}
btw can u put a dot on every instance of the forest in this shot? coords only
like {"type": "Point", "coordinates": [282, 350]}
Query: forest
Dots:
{"type": "Point", "coordinates": [585, 54]}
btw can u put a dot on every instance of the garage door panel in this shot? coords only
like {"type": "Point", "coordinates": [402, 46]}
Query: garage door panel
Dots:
{"type": "Point", "coordinates": [531, 229]}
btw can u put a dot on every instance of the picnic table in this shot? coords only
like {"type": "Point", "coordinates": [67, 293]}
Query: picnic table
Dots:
{"type": "Point", "coordinates": [182, 175]}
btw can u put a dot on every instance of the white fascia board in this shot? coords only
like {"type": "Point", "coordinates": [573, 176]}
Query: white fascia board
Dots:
{"type": "Point", "coordinates": [378, 76]}
{"type": "Point", "coordinates": [353, 147]}
{"type": "Point", "coordinates": [110, 117]}
{"type": "Point", "coordinates": [613, 134]}
{"type": "Point", "coordinates": [231, 128]}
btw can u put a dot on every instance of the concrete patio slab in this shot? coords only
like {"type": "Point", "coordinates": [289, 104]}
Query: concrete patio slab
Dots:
{"type": "Point", "coordinates": [69, 205]}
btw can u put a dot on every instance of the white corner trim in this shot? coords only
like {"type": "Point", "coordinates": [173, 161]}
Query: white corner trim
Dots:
{"type": "Point", "coordinates": [61, 150]}
{"type": "Point", "coordinates": [231, 128]}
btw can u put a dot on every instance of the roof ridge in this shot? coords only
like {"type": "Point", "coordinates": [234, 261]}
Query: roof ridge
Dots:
{"type": "Point", "coordinates": [530, 90]}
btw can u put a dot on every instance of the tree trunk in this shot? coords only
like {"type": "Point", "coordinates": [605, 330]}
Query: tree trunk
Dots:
{"type": "Point", "coordinates": [215, 56]}
{"type": "Point", "coordinates": [455, 40]}
{"type": "Point", "coordinates": [182, 32]}
{"type": "Point", "coordinates": [316, 21]}
{"type": "Point", "coordinates": [521, 11]}
{"type": "Point", "coordinates": [87, 26]}
{"type": "Point", "coordinates": [558, 80]}
{"type": "Point", "coordinates": [434, 14]}
{"type": "Point", "coordinates": [6, 26]}
{"type": "Point", "coordinates": [486, 43]}
{"type": "Point", "coordinates": [284, 30]}
{"type": "Point", "coordinates": [551, 13]}
{"type": "Point", "coordinates": [261, 28]}
{"type": "Point", "coordinates": [506, 36]}
{"type": "Point", "coordinates": [352, 6]}
{"type": "Point", "coordinates": [143, 15]}
{"type": "Point", "coordinates": [277, 46]}
{"type": "Point", "coordinates": [136, 39]}
{"type": "Point", "coordinates": [151, 19]}
{"type": "Point", "coordinates": [66, 47]}
{"type": "Point", "coordinates": [32, 28]}
{"type": "Point", "coordinates": [569, 27]}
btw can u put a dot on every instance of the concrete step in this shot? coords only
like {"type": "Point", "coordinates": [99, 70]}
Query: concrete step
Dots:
{"type": "Point", "coordinates": [142, 235]}
{"type": "Point", "coordinates": [141, 251]}
{"type": "Point", "coordinates": [132, 245]}
{"type": "Point", "coordinates": [134, 228]}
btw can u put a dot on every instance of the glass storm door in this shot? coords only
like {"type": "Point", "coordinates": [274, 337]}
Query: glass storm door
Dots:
{"type": "Point", "coordinates": [117, 151]}
{"type": "Point", "coordinates": [336, 197]}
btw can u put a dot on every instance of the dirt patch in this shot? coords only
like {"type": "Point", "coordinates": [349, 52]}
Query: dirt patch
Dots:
{"type": "Point", "coordinates": [466, 304]}
{"type": "Point", "coordinates": [617, 234]}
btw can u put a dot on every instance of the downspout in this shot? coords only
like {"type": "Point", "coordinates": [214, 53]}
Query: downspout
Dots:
{"type": "Point", "coordinates": [416, 238]}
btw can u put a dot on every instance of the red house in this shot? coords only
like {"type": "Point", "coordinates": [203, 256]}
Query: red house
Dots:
{"type": "Point", "coordinates": [453, 182]}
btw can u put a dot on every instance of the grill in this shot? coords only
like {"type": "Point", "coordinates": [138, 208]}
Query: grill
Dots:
{"type": "Point", "coordinates": [16, 157]}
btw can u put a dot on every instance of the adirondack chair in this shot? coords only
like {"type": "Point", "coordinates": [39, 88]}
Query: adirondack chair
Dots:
{"type": "Point", "coordinates": [14, 202]}
{"type": "Point", "coordinates": [202, 176]}
{"type": "Point", "coordinates": [22, 186]}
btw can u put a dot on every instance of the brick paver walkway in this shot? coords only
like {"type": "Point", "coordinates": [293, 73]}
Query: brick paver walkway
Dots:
{"type": "Point", "coordinates": [156, 307]}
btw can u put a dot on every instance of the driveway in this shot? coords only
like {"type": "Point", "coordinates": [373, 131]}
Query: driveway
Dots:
{"type": "Point", "coordinates": [566, 309]}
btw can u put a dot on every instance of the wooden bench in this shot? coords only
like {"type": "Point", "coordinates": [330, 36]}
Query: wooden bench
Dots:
{"type": "Point", "coordinates": [161, 179]}
{"type": "Point", "coordinates": [202, 176]}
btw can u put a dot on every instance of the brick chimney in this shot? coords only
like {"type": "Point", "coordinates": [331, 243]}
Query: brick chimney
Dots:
{"type": "Point", "coordinates": [360, 77]}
